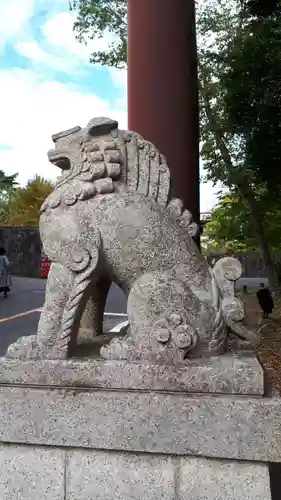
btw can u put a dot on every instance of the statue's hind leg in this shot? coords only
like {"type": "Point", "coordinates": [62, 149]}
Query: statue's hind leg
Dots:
{"type": "Point", "coordinates": [160, 327]}
{"type": "Point", "coordinates": [92, 318]}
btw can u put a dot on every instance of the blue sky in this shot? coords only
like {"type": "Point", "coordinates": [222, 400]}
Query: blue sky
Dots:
{"type": "Point", "coordinates": [47, 84]}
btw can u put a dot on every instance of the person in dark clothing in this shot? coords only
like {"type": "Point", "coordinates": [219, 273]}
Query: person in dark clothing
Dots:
{"type": "Point", "coordinates": [4, 273]}
{"type": "Point", "coordinates": [265, 300]}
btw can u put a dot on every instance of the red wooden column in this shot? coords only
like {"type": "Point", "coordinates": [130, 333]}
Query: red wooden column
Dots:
{"type": "Point", "coordinates": [162, 87]}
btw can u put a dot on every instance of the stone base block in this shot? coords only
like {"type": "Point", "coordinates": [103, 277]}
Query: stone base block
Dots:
{"type": "Point", "coordinates": [31, 473]}
{"type": "Point", "coordinates": [42, 473]}
{"type": "Point", "coordinates": [96, 429]}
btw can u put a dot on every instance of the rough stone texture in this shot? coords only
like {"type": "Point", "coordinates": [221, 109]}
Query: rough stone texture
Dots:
{"type": "Point", "coordinates": [42, 473]}
{"type": "Point", "coordinates": [226, 374]}
{"type": "Point", "coordinates": [25, 250]}
{"type": "Point", "coordinates": [227, 271]}
{"type": "Point", "coordinates": [110, 219]}
{"type": "Point", "coordinates": [138, 431]}
{"type": "Point", "coordinates": [252, 263]}
{"type": "Point", "coordinates": [225, 427]}
{"type": "Point", "coordinates": [23, 247]}
{"type": "Point", "coordinates": [85, 335]}
{"type": "Point", "coordinates": [202, 479]}
{"type": "Point", "coordinates": [124, 476]}
{"type": "Point", "coordinates": [120, 476]}
{"type": "Point", "coordinates": [31, 473]}
{"type": "Point", "coordinates": [92, 318]}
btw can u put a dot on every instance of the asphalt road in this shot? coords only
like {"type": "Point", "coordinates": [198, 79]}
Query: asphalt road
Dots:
{"type": "Point", "coordinates": [19, 313]}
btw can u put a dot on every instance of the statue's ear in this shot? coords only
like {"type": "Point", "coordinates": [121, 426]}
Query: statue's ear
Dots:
{"type": "Point", "coordinates": [65, 133]}
{"type": "Point", "coordinates": [101, 126]}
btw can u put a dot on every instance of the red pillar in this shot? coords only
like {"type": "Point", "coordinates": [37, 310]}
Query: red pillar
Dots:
{"type": "Point", "coordinates": [162, 87]}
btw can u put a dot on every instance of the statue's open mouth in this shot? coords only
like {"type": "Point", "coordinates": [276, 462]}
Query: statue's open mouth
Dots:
{"type": "Point", "coordinates": [59, 160]}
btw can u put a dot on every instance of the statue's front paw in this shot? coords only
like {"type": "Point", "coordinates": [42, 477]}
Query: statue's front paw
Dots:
{"type": "Point", "coordinates": [27, 348]}
{"type": "Point", "coordinates": [24, 348]}
{"type": "Point", "coordinates": [173, 327]}
{"type": "Point", "coordinates": [119, 348]}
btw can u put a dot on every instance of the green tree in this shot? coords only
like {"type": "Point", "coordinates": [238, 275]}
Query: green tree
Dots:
{"type": "Point", "coordinates": [253, 98]}
{"type": "Point", "coordinates": [261, 8]}
{"type": "Point", "coordinates": [24, 204]}
{"type": "Point", "coordinates": [94, 19]}
{"type": "Point", "coordinates": [220, 24]}
{"type": "Point", "coordinates": [223, 149]}
{"type": "Point", "coordinates": [8, 184]}
{"type": "Point", "coordinates": [253, 108]}
{"type": "Point", "coordinates": [230, 226]}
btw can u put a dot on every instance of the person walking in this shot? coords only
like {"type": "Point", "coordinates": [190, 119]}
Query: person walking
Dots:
{"type": "Point", "coordinates": [265, 300]}
{"type": "Point", "coordinates": [5, 280]}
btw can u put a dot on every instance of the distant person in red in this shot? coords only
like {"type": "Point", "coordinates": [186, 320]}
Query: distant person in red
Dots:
{"type": "Point", "coordinates": [5, 279]}
{"type": "Point", "coordinates": [45, 267]}
{"type": "Point", "coordinates": [265, 300]}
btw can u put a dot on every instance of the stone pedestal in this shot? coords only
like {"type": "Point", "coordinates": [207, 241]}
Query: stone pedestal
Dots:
{"type": "Point", "coordinates": [93, 429]}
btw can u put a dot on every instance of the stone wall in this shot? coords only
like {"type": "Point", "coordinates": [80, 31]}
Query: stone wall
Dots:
{"type": "Point", "coordinates": [23, 246]}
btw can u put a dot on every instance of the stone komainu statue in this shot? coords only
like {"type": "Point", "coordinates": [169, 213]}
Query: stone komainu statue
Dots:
{"type": "Point", "coordinates": [110, 219]}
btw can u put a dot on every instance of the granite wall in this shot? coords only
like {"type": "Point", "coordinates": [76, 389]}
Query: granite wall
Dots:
{"type": "Point", "coordinates": [23, 246]}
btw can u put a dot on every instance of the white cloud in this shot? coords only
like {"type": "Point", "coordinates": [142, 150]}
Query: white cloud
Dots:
{"type": "Point", "coordinates": [58, 33]}
{"type": "Point", "coordinates": [119, 80]}
{"type": "Point", "coordinates": [32, 110]}
{"type": "Point", "coordinates": [63, 52]}
{"type": "Point", "coordinates": [33, 51]}
{"type": "Point", "coordinates": [14, 15]}
{"type": "Point", "coordinates": [119, 77]}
